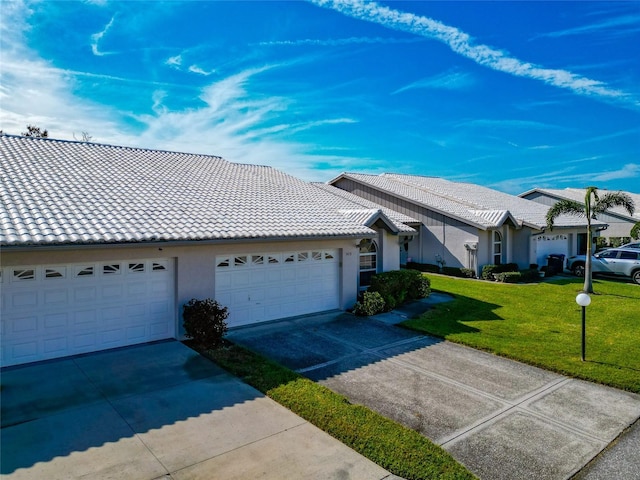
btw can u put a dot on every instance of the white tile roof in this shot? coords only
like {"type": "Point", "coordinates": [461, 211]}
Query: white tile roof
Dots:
{"type": "Point", "coordinates": [480, 206]}
{"type": "Point", "coordinates": [60, 192]}
{"type": "Point", "coordinates": [577, 194]}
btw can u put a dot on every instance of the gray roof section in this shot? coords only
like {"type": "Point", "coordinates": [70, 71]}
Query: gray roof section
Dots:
{"type": "Point", "coordinates": [60, 192]}
{"type": "Point", "coordinates": [473, 204]}
{"type": "Point", "coordinates": [577, 194]}
{"type": "Point", "coordinates": [342, 199]}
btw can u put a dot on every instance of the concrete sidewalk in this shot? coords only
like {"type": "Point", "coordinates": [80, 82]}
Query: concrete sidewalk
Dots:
{"type": "Point", "coordinates": [157, 411]}
{"type": "Point", "coordinates": [500, 418]}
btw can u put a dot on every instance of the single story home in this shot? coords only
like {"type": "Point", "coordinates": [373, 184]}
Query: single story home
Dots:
{"type": "Point", "coordinates": [102, 245]}
{"type": "Point", "coordinates": [619, 221]}
{"type": "Point", "coordinates": [466, 225]}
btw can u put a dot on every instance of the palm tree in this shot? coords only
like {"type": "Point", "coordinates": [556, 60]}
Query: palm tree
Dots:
{"type": "Point", "coordinates": [593, 206]}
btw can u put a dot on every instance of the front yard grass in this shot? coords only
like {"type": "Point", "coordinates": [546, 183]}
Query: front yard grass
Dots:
{"type": "Point", "coordinates": [402, 451]}
{"type": "Point", "coordinates": [540, 324]}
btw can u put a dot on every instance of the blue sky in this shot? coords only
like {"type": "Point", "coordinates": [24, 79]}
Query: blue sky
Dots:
{"type": "Point", "coordinates": [510, 95]}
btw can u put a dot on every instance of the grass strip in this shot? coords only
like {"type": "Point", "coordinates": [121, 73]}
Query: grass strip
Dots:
{"type": "Point", "coordinates": [400, 450]}
{"type": "Point", "coordinates": [540, 324]}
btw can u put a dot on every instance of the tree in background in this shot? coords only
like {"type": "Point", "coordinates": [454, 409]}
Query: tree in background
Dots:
{"type": "Point", "coordinates": [33, 131]}
{"type": "Point", "coordinates": [635, 231]}
{"type": "Point", "coordinates": [593, 206]}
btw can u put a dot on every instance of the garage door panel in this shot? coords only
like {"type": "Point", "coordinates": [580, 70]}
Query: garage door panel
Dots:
{"type": "Point", "coordinates": [56, 321]}
{"type": "Point", "coordinates": [85, 294]}
{"type": "Point", "coordinates": [53, 311]}
{"type": "Point", "coordinates": [55, 346]}
{"type": "Point", "coordinates": [83, 342]}
{"type": "Point", "coordinates": [23, 299]}
{"type": "Point", "coordinates": [110, 292]}
{"type": "Point", "coordinates": [55, 297]}
{"type": "Point", "coordinates": [136, 289]}
{"type": "Point", "coordinates": [84, 318]}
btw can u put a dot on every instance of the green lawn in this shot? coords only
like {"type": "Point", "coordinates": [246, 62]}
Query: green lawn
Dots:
{"type": "Point", "coordinates": [540, 324]}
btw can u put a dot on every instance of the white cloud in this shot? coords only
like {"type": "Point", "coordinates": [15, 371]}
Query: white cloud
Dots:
{"type": "Point", "coordinates": [451, 80]}
{"type": "Point", "coordinates": [200, 71]}
{"type": "Point", "coordinates": [97, 37]}
{"type": "Point", "coordinates": [462, 44]}
{"type": "Point", "coordinates": [174, 61]}
{"type": "Point", "coordinates": [337, 42]}
{"type": "Point", "coordinates": [570, 176]}
{"type": "Point", "coordinates": [623, 24]}
{"type": "Point", "coordinates": [630, 170]}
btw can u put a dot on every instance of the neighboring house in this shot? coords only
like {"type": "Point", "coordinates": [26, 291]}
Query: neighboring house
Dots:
{"type": "Point", "coordinates": [102, 245]}
{"type": "Point", "coordinates": [467, 225]}
{"type": "Point", "coordinates": [619, 221]}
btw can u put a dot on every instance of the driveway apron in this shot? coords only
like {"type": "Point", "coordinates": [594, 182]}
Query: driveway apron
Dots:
{"type": "Point", "coordinates": [157, 411]}
{"type": "Point", "coordinates": [500, 418]}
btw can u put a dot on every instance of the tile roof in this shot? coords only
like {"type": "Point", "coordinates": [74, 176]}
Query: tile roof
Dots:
{"type": "Point", "coordinates": [61, 192]}
{"type": "Point", "coordinates": [577, 194]}
{"type": "Point", "coordinates": [473, 204]}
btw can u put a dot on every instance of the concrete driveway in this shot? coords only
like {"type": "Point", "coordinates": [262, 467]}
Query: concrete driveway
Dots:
{"type": "Point", "coordinates": [500, 418]}
{"type": "Point", "coordinates": [157, 411]}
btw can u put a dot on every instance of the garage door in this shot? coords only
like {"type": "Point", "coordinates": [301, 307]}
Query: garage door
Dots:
{"type": "Point", "coordinates": [51, 311]}
{"type": "Point", "coordinates": [257, 287]}
{"type": "Point", "coordinates": [546, 245]}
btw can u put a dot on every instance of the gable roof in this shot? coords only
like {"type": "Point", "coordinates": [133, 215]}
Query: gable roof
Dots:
{"type": "Point", "coordinates": [578, 195]}
{"type": "Point", "coordinates": [60, 192]}
{"type": "Point", "coordinates": [475, 205]}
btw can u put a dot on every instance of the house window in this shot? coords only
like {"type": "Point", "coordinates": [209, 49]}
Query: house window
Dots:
{"type": "Point", "coordinates": [112, 269]}
{"type": "Point", "coordinates": [84, 272]}
{"type": "Point", "coordinates": [136, 267]}
{"type": "Point", "coordinates": [497, 248]}
{"type": "Point", "coordinates": [25, 274]}
{"type": "Point", "coordinates": [55, 272]}
{"type": "Point", "coordinates": [368, 262]}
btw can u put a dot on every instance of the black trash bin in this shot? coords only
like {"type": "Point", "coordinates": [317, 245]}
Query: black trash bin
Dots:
{"type": "Point", "coordinates": [555, 263]}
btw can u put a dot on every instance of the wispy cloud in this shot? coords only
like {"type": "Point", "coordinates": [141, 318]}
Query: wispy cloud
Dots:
{"type": "Point", "coordinates": [451, 80]}
{"type": "Point", "coordinates": [200, 71]}
{"type": "Point", "coordinates": [337, 42]}
{"type": "Point", "coordinates": [174, 61]}
{"type": "Point", "coordinates": [571, 176]}
{"type": "Point", "coordinates": [621, 25]}
{"type": "Point", "coordinates": [508, 123]}
{"type": "Point", "coordinates": [463, 44]}
{"type": "Point", "coordinates": [97, 37]}
{"type": "Point", "coordinates": [630, 170]}
{"type": "Point", "coordinates": [230, 117]}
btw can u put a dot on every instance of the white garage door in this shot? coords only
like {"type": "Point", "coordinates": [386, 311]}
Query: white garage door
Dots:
{"type": "Point", "coordinates": [51, 311]}
{"type": "Point", "coordinates": [546, 245]}
{"type": "Point", "coordinates": [257, 287]}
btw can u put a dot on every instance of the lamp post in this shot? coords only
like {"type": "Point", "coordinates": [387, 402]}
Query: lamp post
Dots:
{"type": "Point", "coordinates": [583, 300]}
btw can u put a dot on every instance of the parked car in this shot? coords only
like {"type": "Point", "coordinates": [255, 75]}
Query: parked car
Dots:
{"type": "Point", "coordinates": [613, 261]}
{"type": "Point", "coordinates": [630, 245]}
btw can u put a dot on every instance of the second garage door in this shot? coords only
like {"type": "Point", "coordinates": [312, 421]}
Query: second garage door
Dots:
{"type": "Point", "coordinates": [260, 286]}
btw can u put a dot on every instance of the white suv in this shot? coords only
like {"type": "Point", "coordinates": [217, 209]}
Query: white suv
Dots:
{"type": "Point", "coordinates": [613, 261]}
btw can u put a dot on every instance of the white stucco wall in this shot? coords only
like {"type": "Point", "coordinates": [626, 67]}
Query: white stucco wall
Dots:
{"type": "Point", "coordinates": [390, 251]}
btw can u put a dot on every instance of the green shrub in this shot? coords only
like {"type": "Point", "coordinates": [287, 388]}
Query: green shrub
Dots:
{"type": "Point", "coordinates": [205, 322]}
{"type": "Point", "coordinates": [459, 272]}
{"type": "Point", "coordinates": [529, 276]}
{"type": "Point", "coordinates": [488, 271]}
{"type": "Point", "coordinates": [399, 286]}
{"type": "Point", "coordinates": [468, 272]}
{"type": "Point", "coordinates": [423, 267]}
{"type": "Point", "coordinates": [508, 277]}
{"type": "Point", "coordinates": [371, 304]}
